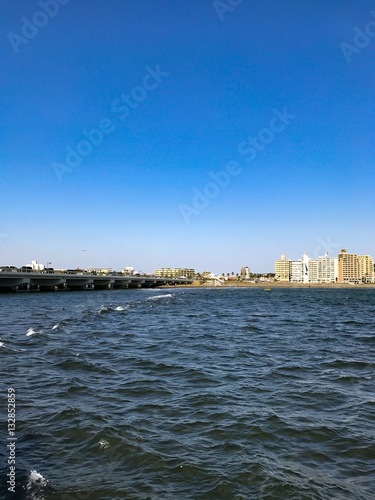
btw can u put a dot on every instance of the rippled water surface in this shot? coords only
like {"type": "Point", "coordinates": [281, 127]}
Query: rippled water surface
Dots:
{"type": "Point", "coordinates": [191, 394]}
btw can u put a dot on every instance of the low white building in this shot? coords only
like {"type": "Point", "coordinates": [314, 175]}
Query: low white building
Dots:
{"type": "Point", "coordinates": [213, 276]}
{"type": "Point", "coordinates": [128, 270]}
{"type": "Point", "coordinates": [36, 267]}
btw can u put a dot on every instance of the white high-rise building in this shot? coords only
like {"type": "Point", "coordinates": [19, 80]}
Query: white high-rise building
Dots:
{"type": "Point", "coordinates": [328, 269]}
{"type": "Point", "coordinates": [322, 270]}
{"type": "Point", "coordinates": [245, 273]}
{"type": "Point", "coordinates": [313, 271]}
{"type": "Point", "coordinates": [305, 266]}
{"type": "Point", "coordinates": [297, 271]}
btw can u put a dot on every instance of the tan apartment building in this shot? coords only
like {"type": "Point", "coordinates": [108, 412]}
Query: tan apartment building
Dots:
{"type": "Point", "coordinates": [188, 273]}
{"type": "Point", "coordinates": [366, 268]}
{"type": "Point", "coordinates": [349, 268]}
{"type": "Point", "coordinates": [177, 272]}
{"type": "Point", "coordinates": [164, 271]}
{"type": "Point", "coordinates": [283, 269]}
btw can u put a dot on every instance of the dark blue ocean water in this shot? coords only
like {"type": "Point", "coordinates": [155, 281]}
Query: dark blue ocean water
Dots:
{"type": "Point", "coordinates": [190, 394]}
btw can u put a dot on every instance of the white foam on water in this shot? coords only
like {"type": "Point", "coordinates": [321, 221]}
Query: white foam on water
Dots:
{"type": "Point", "coordinates": [167, 295]}
{"type": "Point", "coordinates": [120, 308]}
{"type": "Point", "coordinates": [1, 344]}
{"type": "Point", "coordinates": [32, 331]}
{"type": "Point", "coordinates": [35, 477]}
{"type": "Point", "coordinates": [55, 327]}
{"type": "Point", "coordinates": [35, 482]}
{"type": "Point", "coordinates": [103, 444]}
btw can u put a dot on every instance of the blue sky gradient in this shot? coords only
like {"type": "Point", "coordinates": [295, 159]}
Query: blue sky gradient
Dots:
{"type": "Point", "coordinates": [309, 189]}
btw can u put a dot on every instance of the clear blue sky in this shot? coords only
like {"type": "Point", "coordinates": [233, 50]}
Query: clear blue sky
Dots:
{"type": "Point", "coordinates": [311, 186]}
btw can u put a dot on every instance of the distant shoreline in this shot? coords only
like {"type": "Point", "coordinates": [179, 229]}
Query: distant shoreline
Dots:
{"type": "Point", "coordinates": [276, 285]}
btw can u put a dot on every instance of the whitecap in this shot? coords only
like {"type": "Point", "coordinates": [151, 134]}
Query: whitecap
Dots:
{"type": "Point", "coordinates": [55, 327]}
{"type": "Point", "coordinates": [35, 480]}
{"type": "Point", "coordinates": [1, 344]}
{"type": "Point", "coordinates": [166, 295]}
{"type": "Point", "coordinates": [120, 308]}
{"type": "Point", "coordinates": [35, 477]}
{"type": "Point", "coordinates": [31, 331]}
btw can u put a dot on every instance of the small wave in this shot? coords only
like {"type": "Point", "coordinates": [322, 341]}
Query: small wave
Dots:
{"type": "Point", "coordinates": [353, 378]}
{"type": "Point", "coordinates": [345, 363]}
{"type": "Point", "coordinates": [55, 327]}
{"type": "Point", "coordinates": [166, 295]}
{"type": "Point", "coordinates": [104, 310]}
{"type": "Point", "coordinates": [120, 308]}
{"type": "Point", "coordinates": [36, 478]}
{"type": "Point", "coordinates": [36, 485]}
{"type": "Point", "coordinates": [252, 328]}
{"type": "Point", "coordinates": [1, 344]}
{"type": "Point", "coordinates": [366, 338]}
{"type": "Point", "coordinates": [32, 331]}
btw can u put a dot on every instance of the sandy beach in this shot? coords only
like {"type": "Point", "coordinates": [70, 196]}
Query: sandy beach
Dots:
{"type": "Point", "coordinates": [271, 285]}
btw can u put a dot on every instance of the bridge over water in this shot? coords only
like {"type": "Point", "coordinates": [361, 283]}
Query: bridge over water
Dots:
{"type": "Point", "coordinates": [14, 281]}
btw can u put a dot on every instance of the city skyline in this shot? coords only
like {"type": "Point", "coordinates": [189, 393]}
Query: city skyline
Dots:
{"type": "Point", "coordinates": [186, 134]}
{"type": "Point", "coordinates": [200, 270]}
{"type": "Point", "coordinates": [346, 267]}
